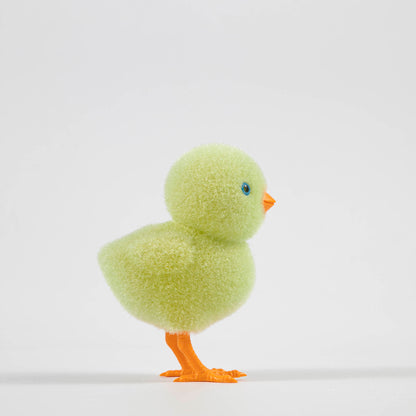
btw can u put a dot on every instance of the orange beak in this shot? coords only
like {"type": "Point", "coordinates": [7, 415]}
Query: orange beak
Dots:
{"type": "Point", "coordinates": [268, 201]}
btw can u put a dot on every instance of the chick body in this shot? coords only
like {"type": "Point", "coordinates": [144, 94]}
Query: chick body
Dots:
{"type": "Point", "coordinates": [177, 278]}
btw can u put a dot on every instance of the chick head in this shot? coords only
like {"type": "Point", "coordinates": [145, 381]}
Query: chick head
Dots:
{"type": "Point", "coordinates": [218, 190]}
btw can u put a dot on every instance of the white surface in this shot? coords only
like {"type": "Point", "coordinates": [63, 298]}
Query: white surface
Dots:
{"type": "Point", "coordinates": [363, 392]}
{"type": "Point", "coordinates": [99, 98]}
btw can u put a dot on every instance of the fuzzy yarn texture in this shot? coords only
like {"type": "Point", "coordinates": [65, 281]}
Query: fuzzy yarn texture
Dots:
{"type": "Point", "coordinates": [186, 274]}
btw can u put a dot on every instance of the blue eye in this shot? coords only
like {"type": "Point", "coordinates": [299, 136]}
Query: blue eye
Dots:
{"type": "Point", "coordinates": [245, 187]}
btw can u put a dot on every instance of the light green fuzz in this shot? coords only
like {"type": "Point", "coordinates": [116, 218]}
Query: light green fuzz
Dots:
{"type": "Point", "coordinates": [203, 190]}
{"type": "Point", "coordinates": [188, 273]}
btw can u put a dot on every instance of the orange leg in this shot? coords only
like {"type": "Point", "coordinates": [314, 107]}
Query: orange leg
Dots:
{"type": "Point", "coordinates": [192, 368]}
{"type": "Point", "coordinates": [172, 342]}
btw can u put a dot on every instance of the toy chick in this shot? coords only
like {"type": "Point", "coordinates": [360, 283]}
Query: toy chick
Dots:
{"type": "Point", "coordinates": [183, 275]}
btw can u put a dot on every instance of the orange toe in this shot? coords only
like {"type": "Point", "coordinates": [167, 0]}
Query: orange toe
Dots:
{"type": "Point", "coordinates": [232, 373]}
{"type": "Point", "coordinates": [171, 373]}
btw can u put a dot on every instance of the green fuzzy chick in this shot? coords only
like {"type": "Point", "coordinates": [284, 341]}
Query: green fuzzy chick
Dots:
{"type": "Point", "coordinates": [186, 274]}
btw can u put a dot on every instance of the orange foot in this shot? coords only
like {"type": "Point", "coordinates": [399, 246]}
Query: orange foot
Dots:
{"type": "Point", "coordinates": [220, 371]}
{"type": "Point", "coordinates": [207, 375]}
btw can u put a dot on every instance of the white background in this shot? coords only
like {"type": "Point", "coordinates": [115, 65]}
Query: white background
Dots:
{"type": "Point", "coordinates": [99, 98]}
